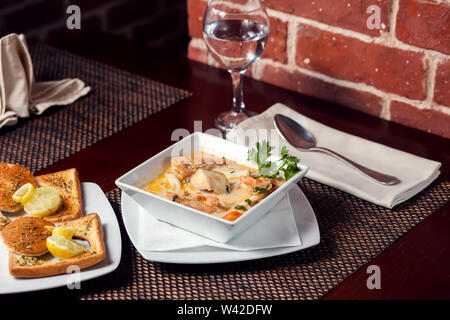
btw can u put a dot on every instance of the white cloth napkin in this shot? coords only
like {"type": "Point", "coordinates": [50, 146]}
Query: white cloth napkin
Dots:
{"type": "Point", "coordinates": [20, 95]}
{"type": "Point", "coordinates": [276, 229]}
{"type": "Point", "coordinates": [415, 172]}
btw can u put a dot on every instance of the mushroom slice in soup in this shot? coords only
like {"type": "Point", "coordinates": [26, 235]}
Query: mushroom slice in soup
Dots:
{"type": "Point", "coordinates": [233, 170]}
{"type": "Point", "coordinates": [209, 180]}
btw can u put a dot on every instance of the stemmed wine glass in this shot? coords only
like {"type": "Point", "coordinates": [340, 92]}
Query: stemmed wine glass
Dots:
{"type": "Point", "coordinates": [235, 32]}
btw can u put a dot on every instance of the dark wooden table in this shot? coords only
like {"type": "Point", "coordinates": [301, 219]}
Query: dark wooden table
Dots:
{"type": "Point", "coordinates": [415, 267]}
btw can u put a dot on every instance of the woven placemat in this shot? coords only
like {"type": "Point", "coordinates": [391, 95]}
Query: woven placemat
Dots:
{"type": "Point", "coordinates": [118, 100]}
{"type": "Point", "coordinates": [353, 231]}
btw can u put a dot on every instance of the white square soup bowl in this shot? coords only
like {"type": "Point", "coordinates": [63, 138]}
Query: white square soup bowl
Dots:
{"type": "Point", "coordinates": [187, 218]}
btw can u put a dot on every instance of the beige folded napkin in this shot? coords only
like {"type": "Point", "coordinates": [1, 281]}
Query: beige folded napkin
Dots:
{"type": "Point", "coordinates": [20, 95]}
{"type": "Point", "coordinates": [415, 172]}
{"type": "Point", "coordinates": [272, 231]}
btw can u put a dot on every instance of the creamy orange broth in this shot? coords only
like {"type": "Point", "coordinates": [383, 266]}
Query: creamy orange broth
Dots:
{"type": "Point", "coordinates": [238, 198]}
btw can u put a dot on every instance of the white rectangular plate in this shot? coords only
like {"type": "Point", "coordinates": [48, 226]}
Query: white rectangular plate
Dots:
{"type": "Point", "coordinates": [94, 200]}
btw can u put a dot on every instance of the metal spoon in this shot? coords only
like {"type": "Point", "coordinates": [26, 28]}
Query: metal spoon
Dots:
{"type": "Point", "coordinates": [302, 139]}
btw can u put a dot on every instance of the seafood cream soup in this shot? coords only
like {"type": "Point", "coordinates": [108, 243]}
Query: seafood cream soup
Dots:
{"type": "Point", "coordinates": [214, 185]}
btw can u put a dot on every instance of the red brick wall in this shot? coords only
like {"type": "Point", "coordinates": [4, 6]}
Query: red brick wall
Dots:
{"type": "Point", "coordinates": [323, 48]}
{"type": "Point", "coordinates": [159, 23]}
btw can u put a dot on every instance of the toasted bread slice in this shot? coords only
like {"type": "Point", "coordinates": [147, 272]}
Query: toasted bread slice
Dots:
{"type": "Point", "coordinates": [68, 184]}
{"type": "Point", "coordinates": [3, 221]}
{"type": "Point", "coordinates": [88, 228]}
{"type": "Point", "coordinates": [12, 177]}
{"type": "Point", "coordinates": [27, 236]}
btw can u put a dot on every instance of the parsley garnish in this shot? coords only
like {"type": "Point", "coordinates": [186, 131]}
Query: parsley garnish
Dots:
{"type": "Point", "coordinates": [240, 207]}
{"type": "Point", "coordinates": [270, 169]}
{"type": "Point", "coordinates": [260, 190]}
{"type": "Point", "coordinates": [249, 202]}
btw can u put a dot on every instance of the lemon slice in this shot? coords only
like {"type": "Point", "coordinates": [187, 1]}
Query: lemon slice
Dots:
{"type": "Point", "coordinates": [24, 193]}
{"type": "Point", "coordinates": [44, 202]}
{"type": "Point", "coordinates": [63, 248]}
{"type": "Point", "coordinates": [65, 232]}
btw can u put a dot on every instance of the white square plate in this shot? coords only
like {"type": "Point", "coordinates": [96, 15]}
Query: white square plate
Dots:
{"type": "Point", "coordinates": [305, 220]}
{"type": "Point", "coordinates": [94, 200]}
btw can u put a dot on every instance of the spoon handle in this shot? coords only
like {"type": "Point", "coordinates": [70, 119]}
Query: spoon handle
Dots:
{"type": "Point", "coordinates": [374, 175]}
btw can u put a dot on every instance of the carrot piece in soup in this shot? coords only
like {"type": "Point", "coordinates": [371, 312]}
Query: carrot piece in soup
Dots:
{"type": "Point", "coordinates": [233, 215]}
